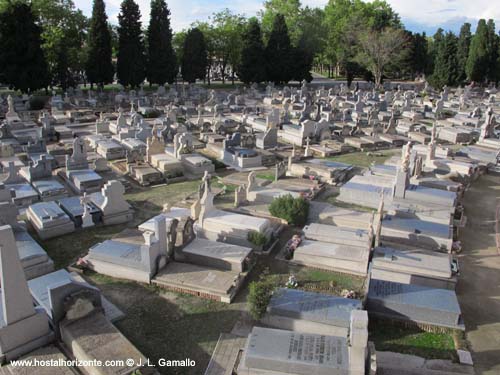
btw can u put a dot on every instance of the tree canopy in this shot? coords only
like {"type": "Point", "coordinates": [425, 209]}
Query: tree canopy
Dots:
{"type": "Point", "coordinates": [99, 66]}
{"type": "Point", "coordinates": [252, 67]}
{"type": "Point", "coordinates": [23, 65]}
{"type": "Point", "coordinates": [194, 57]}
{"type": "Point", "coordinates": [162, 63]}
{"type": "Point", "coordinates": [131, 65]}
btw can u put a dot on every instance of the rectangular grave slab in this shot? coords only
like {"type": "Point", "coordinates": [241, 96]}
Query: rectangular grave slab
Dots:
{"type": "Point", "coordinates": [413, 266]}
{"type": "Point", "coordinates": [285, 352]}
{"type": "Point", "coordinates": [339, 235]}
{"type": "Point", "coordinates": [329, 256]}
{"type": "Point", "coordinates": [415, 303]}
{"type": "Point", "coordinates": [297, 310]}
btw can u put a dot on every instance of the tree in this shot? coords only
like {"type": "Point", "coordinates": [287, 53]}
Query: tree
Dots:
{"type": "Point", "coordinates": [493, 44]}
{"type": "Point", "coordinates": [418, 53]}
{"type": "Point", "coordinates": [381, 48]}
{"type": "Point", "coordinates": [228, 29]}
{"type": "Point", "coordinates": [63, 30]}
{"type": "Point", "coordinates": [478, 61]}
{"type": "Point", "coordinates": [345, 20]}
{"type": "Point", "coordinates": [301, 61]}
{"type": "Point", "coordinates": [162, 64]}
{"type": "Point", "coordinates": [446, 71]}
{"type": "Point", "coordinates": [278, 53]}
{"type": "Point", "coordinates": [194, 56]}
{"type": "Point", "coordinates": [131, 65]}
{"type": "Point", "coordinates": [290, 9]}
{"type": "Point", "coordinates": [99, 66]}
{"type": "Point", "coordinates": [210, 41]}
{"type": "Point", "coordinates": [22, 62]}
{"type": "Point", "coordinates": [252, 67]}
{"type": "Point", "coordinates": [463, 46]}
{"type": "Point", "coordinates": [178, 44]}
{"type": "Point", "coordinates": [313, 33]}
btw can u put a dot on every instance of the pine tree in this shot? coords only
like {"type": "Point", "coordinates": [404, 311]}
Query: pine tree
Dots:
{"type": "Point", "coordinates": [131, 67]}
{"type": "Point", "coordinates": [194, 56]}
{"type": "Point", "coordinates": [279, 53]}
{"type": "Point", "coordinates": [162, 63]}
{"type": "Point", "coordinates": [479, 60]}
{"type": "Point", "coordinates": [252, 66]}
{"type": "Point", "coordinates": [22, 62]}
{"type": "Point", "coordinates": [99, 66]}
{"type": "Point", "coordinates": [446, 71]}
{"type": "Point", "coordinates": [463, 47]}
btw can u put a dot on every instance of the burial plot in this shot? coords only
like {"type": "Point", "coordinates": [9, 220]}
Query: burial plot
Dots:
{"type": "Point", "coordinates": [415, 303]}
{"type": "Point", "coordinates": [301, 311]}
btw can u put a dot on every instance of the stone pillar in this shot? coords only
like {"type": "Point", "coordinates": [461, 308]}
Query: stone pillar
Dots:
{"type": "Point", "coordinates": [24, 328]}
{"type": "Point", "coordinates": [358, 342]}
{"type": "Point", "coordinates": [161, 233]}
{"type": "Point", "coordinates": [401, 183]}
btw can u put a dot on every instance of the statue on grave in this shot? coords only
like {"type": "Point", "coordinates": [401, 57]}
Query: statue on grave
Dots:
{"type": "Point", "coordinates": [406, 154]}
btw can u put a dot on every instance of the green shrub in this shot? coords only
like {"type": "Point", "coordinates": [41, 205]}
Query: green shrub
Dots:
{"type": "Point", "coordinates": [257, 238]}
{"type": "Point", "coordinates": [293, 210]}
{"type": "Point", "coordinates": [154, 113]}
{"type": "Point", "coordinates": [37, 103]}
{"type": "Point", "coordinates": [259, 295]}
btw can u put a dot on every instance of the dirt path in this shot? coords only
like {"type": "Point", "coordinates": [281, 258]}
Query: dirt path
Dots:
{"type": "Point", "coordinates": [479, 285]}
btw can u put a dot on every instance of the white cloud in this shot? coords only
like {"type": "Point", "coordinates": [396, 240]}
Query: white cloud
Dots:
{"type": "Point", "coordinates": [430, 13]}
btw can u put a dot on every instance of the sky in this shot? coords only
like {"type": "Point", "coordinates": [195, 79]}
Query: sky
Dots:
{"type": "Point", "coordinates": [417, 15]}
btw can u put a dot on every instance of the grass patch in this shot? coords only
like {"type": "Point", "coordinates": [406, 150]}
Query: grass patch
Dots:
{"type": "Point", "coordinates": [168, 325]}
{"type": "Point", "coordinates": [312, 280]}
{"type": "Point", "coordinates": [266, 176]}
{"type": "Point", "coordinates": [396, 338]}
{"type": "Point", "coordinates": [365, 159]}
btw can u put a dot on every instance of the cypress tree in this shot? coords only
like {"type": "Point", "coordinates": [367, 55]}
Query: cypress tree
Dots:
{"type": "Point", "coordinates": [493, 45]}
{"type": "Point", "coordinates": [99, 66]}
{"type": "Point", "coordinates": [420, 53]}
{"type": "Point", "coordinates": [279, 52]}
{"type": "Point", "coordinates": [22, 62]}
{"type": "Point", "coordinates": [446, 71]}
{"type": "Point", "coordinates": [479, 59]}
{"type": "Point", "coordinates": [194, 56]}
{"type": "Point", "coordinates": [463, 48]}
{"type": "Point", "coordinates": [130, 67]}
{"type": "Point", "coordinates": [162, 63]}
{"type": "Point", "coordinates": [301, 61]}
{"type": "Point", "coordinates": [252, 66]}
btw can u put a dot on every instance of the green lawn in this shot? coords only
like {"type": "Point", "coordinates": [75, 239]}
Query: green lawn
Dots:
{"type": "Point", "coordinates": [310, 279]}
{"type": "Point", "coordinates": [365, 159]}
{"type": "Point", "coordinates": [395, 338]}
{"type": "Point", "coordinates": [168, 325]}
{"type": "Point", "coordinates": [266, 176]}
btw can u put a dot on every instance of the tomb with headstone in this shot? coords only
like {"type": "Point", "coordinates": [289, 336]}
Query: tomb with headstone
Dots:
{"type": "Point", "coordinates": [419, 304]}
{"type": "Point", "coordinates": [298, 310]}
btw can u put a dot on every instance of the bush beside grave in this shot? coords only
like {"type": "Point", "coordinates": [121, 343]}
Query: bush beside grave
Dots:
{"type": "Point", "coordinates": [256, 238]}
{"type": "Point", "coordinates": [293, 210]}
{"type": "Point", "coordinates": [259, 295]}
